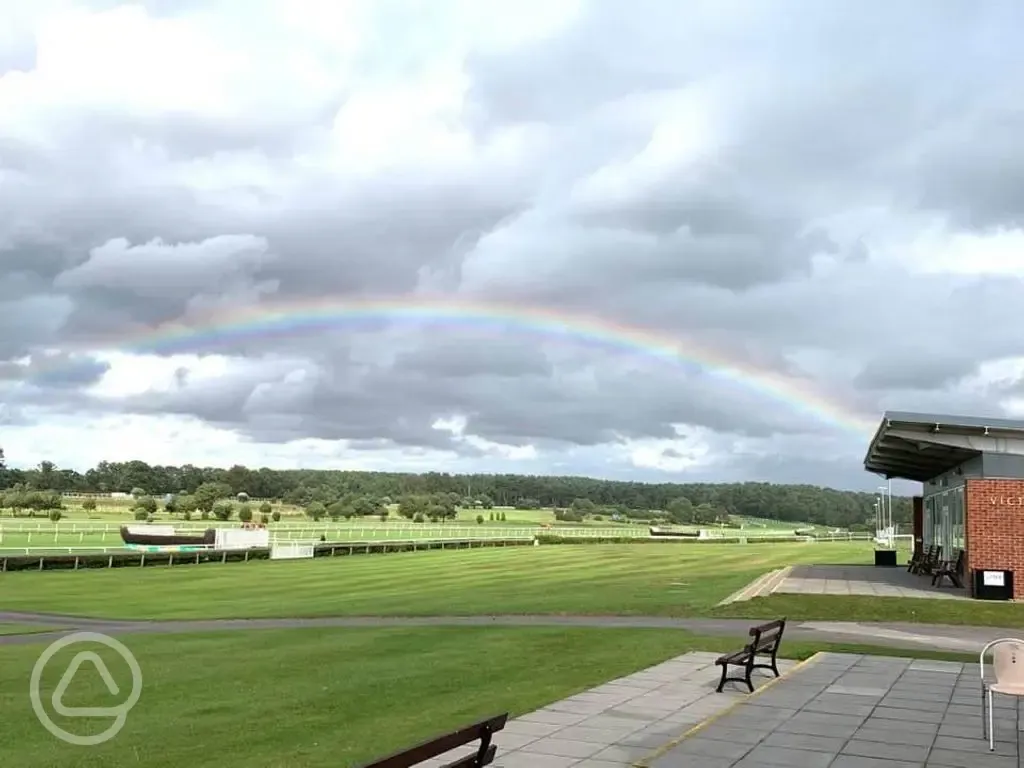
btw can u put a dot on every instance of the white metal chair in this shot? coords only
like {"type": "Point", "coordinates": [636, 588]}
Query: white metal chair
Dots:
{"type": "Point", "coordinates": [1008, 668]}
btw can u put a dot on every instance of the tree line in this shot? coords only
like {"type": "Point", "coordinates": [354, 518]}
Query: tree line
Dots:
{"type": "Point", "coordinates": [436, 494]}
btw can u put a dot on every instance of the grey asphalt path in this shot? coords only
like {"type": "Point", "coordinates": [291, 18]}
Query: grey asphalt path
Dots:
{"type": "Point", "coordinates": [895, 635]}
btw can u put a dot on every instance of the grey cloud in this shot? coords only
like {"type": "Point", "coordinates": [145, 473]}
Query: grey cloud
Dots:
{"type": "Point", "coordinates": [833, 134]}
{"type": "Point", "coordinates": [56, 371]}
{"type": "Point", "coordinates": [459, 355]}
{"type": "Point", "coordinates": [916, 369]}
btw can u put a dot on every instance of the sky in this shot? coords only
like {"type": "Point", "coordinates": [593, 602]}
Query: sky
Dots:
{"type": "Point", "coordinates": [660, 241]}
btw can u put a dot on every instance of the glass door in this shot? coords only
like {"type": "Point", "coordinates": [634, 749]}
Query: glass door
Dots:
{"type": "Point", "coordinates": [946, 524]}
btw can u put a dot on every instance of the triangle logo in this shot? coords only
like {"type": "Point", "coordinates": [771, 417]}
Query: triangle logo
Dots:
{"type": "Point", "coordinates": [69, 675]}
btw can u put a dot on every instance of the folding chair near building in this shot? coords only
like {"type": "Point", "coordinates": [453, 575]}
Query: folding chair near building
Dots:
{"type": "Point", "coordinates": [1008, 671]}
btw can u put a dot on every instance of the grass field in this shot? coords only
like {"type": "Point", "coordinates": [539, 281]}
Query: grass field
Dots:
{"type": "Point", "coordinates": [650, 579]}
{"type": "Point", "coordinates": [321, 698]}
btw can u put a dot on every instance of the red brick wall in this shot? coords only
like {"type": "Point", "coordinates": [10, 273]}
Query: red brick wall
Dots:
{"type": "Point", "coordinates": [918, 520]}
{"type": "Point", "coordinates": [995, 527]}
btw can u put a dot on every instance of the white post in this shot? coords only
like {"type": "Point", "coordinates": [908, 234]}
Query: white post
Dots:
{"type": "Point", "coordinates": [891, 529]}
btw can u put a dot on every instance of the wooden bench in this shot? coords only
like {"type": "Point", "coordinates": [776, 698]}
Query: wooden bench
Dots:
{"type": "Point", "coordinates": [930, 561]}
{"type": "Point", "coordinates": [483, 730]}
{"type": "Point", "coordinates": [950, 569]}
{"type": "Point", "coordinates": [765, 640]}
{"type": "Point", "coordinates": [915, 560]}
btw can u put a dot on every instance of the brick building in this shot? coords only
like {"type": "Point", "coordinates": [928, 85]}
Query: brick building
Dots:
{"type": "Point", "coordinates": [972, 476]}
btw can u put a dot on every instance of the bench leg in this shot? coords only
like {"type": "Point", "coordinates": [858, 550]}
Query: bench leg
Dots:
{"type": "Point", "coordinates": [750, 671]}
{"type": "Point", "coordinates": [484, 754]}
{"type": "Point", "coordinates": [727, 679]}
{"type": "Point", "coordinates": [721, 683]}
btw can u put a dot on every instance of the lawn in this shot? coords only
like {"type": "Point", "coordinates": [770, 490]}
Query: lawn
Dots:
{"type": "Point", "coordinates": [320, 697]}
{"type": "Point", "coordinates": [667, 579]}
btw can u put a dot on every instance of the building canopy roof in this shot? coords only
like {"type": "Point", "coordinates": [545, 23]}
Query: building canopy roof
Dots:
{"type": "Point", "coordinates": [920, 446]}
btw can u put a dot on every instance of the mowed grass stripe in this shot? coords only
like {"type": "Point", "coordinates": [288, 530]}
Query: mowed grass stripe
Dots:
{"type": "Point", "coordinates": [625, 579]}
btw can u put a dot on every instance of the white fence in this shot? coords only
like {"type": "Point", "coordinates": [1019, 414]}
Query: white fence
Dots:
{"type": "Point", "coordinates": [291, 551]}
{"type": "Point", "coordinates": [29, 536]}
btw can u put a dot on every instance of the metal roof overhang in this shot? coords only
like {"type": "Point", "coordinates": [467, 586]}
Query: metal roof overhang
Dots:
{"type": "Point", "coordinates": [920, 446]}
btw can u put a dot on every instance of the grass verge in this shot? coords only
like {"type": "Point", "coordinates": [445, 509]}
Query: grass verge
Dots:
{"type": "Point", "coordinates": [324, 697]}
{"type": "Point", "coordinates": [8, 628]}
{"type": "Point", "coordinates": [981, 613]}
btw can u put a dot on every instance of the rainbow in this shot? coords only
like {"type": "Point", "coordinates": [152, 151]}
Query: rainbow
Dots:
{"type": "Point", "coordinates": [305, 317]}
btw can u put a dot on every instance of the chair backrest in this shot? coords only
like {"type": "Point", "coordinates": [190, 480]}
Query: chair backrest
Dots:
{"type": "Point", "coordinates": [1007, 659]}
{"type": "Point", "coordinates": [1008, 662]}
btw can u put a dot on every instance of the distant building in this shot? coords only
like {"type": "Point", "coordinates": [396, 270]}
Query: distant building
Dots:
{"type": "Point", "coordinates": [972, 476]}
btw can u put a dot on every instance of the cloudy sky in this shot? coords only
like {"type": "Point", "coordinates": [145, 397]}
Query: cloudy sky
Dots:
{"type": "Point", "coordinates": [756, 225]}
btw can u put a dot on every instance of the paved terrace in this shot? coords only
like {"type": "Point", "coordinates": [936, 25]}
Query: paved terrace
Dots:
{"type": "Point", "coordinates": [835, 711]}
{"type": "Point", "coordinates": [862, 580]}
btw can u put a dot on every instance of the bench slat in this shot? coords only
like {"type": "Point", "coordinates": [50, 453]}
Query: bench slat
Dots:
{"type": "Point", "coordinates": [407, 758]}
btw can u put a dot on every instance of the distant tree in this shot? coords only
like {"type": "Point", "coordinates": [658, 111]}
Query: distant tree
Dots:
{"type": "Point", "coordinates": [89, 505]}
{"type": "Point", "coordinates": [275, 515]}
{"type": "Point", "coordinates": [680, 510]}
{"type": "Point", "coordinates": [55, 515]}
{"type": "Point", "coordinates": [583, 506]}
{"type": "Point", "coordinates": [138, 492]}
{"type": "Point", "coordinates": [223, 509]}
{"type": "Point", "coordinates": [245, 513]}
{"type": "Point", "coordinates": [265, 508]}
{"type": "Point", "coordinates": [208, 494]}
{"type": "Point", "coordinates": [147, 503]}
{"type": "Point", "coordinates": [479, 519]}
{"type": "Point", "coordinates": [316, 510]}
{"type": "Point", "coordinates": [486, 501]}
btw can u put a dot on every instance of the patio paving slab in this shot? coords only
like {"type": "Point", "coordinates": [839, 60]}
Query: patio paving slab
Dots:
{"type": "Point", "coordinates": [934, 722]}
{"type": "Point", "coordinates": [621, 721]}
{"type": "Point", "coordinates": [863, 580]}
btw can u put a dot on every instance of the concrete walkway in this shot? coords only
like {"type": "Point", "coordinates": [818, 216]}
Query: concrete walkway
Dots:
{"type": "Point", "coordinates": [833, 711]}
{"type": "Point", "coordinates": [849, 711]}
{"type": "Point", "coordinates": [620, 722]}
{"type": "Point", "coordinates": [894, 635]}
